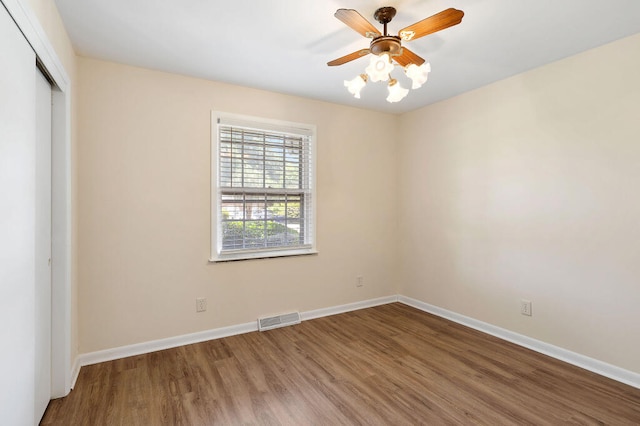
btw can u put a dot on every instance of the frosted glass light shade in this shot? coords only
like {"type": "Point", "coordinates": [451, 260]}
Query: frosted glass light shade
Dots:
{"type": "Point", "coordinates": [379, 67]}
{"type": "Point", "coordinates": [418, 74]}
{"type": "Point", "coordinates": [356, 85]}
{"type": "Point", "coordinates": [396, 92]}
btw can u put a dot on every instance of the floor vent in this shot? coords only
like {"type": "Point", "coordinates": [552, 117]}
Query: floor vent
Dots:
{"type": "Point", "coordinates": [269, 323]}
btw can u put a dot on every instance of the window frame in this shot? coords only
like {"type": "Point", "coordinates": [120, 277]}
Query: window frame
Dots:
{"type": "Point", "coordinates": [219, 118]}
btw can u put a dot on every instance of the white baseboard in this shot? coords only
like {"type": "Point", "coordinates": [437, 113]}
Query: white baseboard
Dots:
{"type": "Point", "coordinates": [218, 333]}
{"type": "Point", "coordinates": [325, 312]}
{"type": "Point", "coordinates": [161, 344]}
{"type": "Point", "coordinates": [593, 365]}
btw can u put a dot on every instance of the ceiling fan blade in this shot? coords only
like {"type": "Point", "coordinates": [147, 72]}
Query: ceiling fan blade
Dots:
{"type": "Point", "coordinates": [439, 21]}
{"type": "Point", "coordinates": [408, 57]}
{"type": "Point", "coordinates": [348, 58]}
{"type": "Point", "coordinates": [357, 22]}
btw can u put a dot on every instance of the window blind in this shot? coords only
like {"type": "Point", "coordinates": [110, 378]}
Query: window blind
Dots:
{"type": "Point", "coordinates": [265, 198]}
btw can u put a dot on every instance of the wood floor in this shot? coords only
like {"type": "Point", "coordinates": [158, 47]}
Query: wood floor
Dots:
{"type": "Point", "coordinates": [388, 365]}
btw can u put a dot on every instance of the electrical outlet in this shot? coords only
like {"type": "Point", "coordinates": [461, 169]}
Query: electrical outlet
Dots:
{"type": "Point", "coordinates": [525, 307]}
{"type": "Point", "coordinates": [201, 304]}
{"type": "Point", "coordinates": [359, 281]}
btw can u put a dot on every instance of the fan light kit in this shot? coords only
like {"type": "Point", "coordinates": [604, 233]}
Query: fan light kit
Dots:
{"type": "Point", "coordinates": [388, 49]}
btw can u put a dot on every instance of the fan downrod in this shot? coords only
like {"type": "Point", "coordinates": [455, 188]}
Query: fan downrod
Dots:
{"type": "Point", "coordinates": [385, 43]}
{"type": "Point", "coordinates": [384, 15]}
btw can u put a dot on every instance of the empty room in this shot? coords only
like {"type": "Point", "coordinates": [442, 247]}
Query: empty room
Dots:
{"type": "Point", "coordinates": [319, 212]}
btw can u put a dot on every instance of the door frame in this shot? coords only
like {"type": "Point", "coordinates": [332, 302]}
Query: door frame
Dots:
{"type": "Point", "coordinates": [61, 191]}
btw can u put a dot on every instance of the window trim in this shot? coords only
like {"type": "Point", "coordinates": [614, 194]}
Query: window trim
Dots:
{"type": "Point", "coordinates": [262, 124]}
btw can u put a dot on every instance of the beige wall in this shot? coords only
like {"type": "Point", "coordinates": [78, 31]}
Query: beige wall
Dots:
{"type": "Point", "coordinates": [523, 189]}
{"type": "Point", "coordinates": [144, 208]}
{"type": "Point", "coordinates": [527, 189]}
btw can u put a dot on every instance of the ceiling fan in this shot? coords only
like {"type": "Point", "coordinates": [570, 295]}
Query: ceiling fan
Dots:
{"type": "Point", "coordinates": [388, 48]}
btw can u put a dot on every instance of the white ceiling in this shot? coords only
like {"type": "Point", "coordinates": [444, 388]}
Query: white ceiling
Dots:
{"type": "Point", "coordinates": [284, 45]}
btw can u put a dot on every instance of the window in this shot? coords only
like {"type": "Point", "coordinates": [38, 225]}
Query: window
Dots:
{"type": "Point", "coordinates": [263, 199]}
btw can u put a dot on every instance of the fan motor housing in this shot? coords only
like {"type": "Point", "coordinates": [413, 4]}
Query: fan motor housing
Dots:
{"type": "Point", "coordinates": [386, 44]}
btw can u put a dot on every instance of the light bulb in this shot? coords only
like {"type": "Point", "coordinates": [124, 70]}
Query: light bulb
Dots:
{"type": "Point", "coordinates": [418, 74]}
{"type": "Point", "coordinates": [396, 92]}
{"type": "Point", "coordinates": [379, 67]}
{"type": "Point", "coordinates": [355, 86]}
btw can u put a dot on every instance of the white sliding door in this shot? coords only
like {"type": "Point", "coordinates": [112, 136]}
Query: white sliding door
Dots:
{"type": "Point", "coordinates": [20, 36]}
{"type": "Point", "coordinates": [17, 225]}
{"type": "Point", "coordinates": [43, 246]}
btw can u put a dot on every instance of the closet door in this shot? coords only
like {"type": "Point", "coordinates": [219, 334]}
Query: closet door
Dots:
{"type": "Point", "coordinates": [43, 246]}
{"type": "Point", "coordinates": [17, 225]}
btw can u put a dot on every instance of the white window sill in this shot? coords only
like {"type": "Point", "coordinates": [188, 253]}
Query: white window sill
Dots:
{"type": "Point", "coordinates": [233, 257]}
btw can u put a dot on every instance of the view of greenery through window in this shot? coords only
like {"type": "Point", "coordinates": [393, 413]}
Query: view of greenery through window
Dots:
{"type": "Point", "coordinates": [262, 195]}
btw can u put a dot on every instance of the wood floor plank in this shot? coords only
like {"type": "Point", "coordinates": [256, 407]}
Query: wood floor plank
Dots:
{"type": "Point", "coordinates": [388, 365]}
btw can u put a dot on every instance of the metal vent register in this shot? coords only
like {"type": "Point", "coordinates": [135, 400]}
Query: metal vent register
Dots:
{"type": "Point", "coordinates": [283, 320]}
